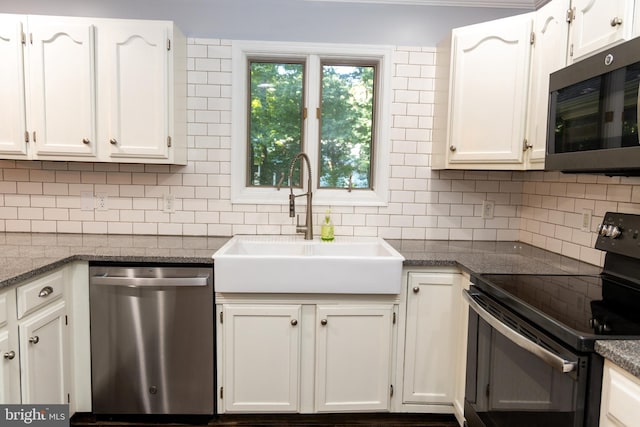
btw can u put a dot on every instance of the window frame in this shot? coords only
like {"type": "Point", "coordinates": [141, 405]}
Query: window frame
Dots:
{"type": "Point", "coordinates": [313, 54]}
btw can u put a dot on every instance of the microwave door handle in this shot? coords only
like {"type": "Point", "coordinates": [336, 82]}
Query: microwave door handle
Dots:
{"type": "Point", "coordinates": [548, 357]}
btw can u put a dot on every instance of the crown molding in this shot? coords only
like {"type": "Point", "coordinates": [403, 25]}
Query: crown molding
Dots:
{"type": "Point", "coordinates": [511, 4]}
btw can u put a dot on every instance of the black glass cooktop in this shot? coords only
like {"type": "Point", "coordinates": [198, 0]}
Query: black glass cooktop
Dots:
{"type": "Point", "coordinates": [578, 306]}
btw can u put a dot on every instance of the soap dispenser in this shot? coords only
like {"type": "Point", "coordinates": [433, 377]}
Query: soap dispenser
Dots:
{"type": "Point", "coordinates": [326, 230]}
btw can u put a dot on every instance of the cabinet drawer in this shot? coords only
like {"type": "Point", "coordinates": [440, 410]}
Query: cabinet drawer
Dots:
{"type": "Point", "coordinates": [38, 293]}
{"type": "Point", "coordinates": [3, 309]}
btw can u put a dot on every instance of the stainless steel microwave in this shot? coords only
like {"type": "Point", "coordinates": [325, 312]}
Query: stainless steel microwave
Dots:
{"type": "Point", "coordinates": [593, 114]}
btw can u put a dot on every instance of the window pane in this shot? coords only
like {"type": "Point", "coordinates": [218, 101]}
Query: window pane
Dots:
{"type": "Point", "coordinates": [275, 121]}
{"type": "Point", "coordinates": [346, 137]}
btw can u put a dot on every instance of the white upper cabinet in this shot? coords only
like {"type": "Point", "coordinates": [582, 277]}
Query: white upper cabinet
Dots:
{"type": "Point", "coordinates": [598, 24]}
{"type": "Point", "coordinates": [549, 54]}
{"type": "Point", "coordinates": [86, 89]}
{"type": "Point", "coordinates": [136, 90]}
{"type": "Point", "coordinates": [487, 101]}
{"type": "Point", "coordinates": [62, 88]}
{"type": "Point", "coordinates": [12, 96]}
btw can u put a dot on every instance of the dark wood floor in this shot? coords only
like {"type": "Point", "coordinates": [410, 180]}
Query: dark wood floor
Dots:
{"type": "Point", "coordinates": [315, 420]}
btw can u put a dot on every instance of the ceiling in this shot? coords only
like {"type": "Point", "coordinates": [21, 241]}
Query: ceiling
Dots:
{"type": "Point", "coordinates": [511, 4]}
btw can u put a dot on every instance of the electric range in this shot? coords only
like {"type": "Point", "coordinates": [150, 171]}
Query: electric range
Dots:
{"type": "Point", "coordinates": [531, 358]}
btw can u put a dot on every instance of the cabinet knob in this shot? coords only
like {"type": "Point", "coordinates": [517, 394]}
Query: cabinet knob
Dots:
{"type": "Point", "coordinates": [416, 289]}
{"type": "Point", "coordinates": [452, 148]}
{"type": "Point", "coordinates": [34, 340]}
{"type": "Point", "coordinates": [616, 21]}
{"type": "Point", "coordinates": [113, 141]}
{"type": "Point", "coordinates": [45, 292]}
{"type": "Point", "coordinates": [85, 141]}
{"type": "Point", "coordinates": [10, 355]}
{"type": "Point", "coordinates": [294, 322]}
{"type": "Point", "coordinates": [323, 322]}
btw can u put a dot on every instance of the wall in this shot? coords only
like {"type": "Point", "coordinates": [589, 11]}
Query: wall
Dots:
{"type": "Point", "coordinates": [535, 207]}
{"type": "Point", "coordinates": [45, 196]}
{"type": "Point", "coordinates": [280, 20]}
{"type": "Point", "coordinates": [552, 206]}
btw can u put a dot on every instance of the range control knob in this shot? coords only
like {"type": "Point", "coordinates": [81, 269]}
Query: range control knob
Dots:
{"type": "Point", "coordinates": [602, 229]}
{"type": "Point", "coordinates": [599, 326]}
{"type": "Point", "coordinates": [614, 232]}
{"type": "Point", "coordinates": [611, 231]}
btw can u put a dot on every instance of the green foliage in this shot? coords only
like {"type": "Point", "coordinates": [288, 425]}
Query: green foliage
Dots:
{"type": "Point", "coordinates": [276, 106]}
{"type": "Point", "coordinates": [275, 120]}
{"type": "Point", "coordinates": [346, 135]}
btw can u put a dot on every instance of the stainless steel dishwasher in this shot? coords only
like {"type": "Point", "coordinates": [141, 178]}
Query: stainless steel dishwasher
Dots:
{"type": "Point", "coordinates": [152, 339]}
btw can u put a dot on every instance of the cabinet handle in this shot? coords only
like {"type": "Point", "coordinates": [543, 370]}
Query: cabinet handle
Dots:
{"type": "Point", "coordinates": [323, 322]}
{"type": "Point", "coordinates": [10, 355]}
{"type": "Point", "coordinates": [113, 141]}
{"type": "Point", "coordinates": [85, 141]}
{"type": "Point", "coordinates": [616, 21]}
{"type": "Point", "coordinates": [45, 292]}
{"type": "Point", "coordinates": [416, 289]}
{"type": "Point", "coordinates": [294, 322]}
{"type": "Point", "coordinates": [34, 340]}
{"type": "Point", "coordinates": [452, 148]}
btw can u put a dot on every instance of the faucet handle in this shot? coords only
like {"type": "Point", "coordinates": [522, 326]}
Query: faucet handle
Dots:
{"type": "Point", "coordinates": [292, 205]}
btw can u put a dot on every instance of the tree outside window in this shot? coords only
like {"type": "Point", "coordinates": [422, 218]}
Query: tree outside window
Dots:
{"type": "Point", "coordinates": [276, 116]}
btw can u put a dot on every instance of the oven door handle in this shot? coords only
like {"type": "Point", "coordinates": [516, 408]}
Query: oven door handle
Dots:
{"type": "Point", "coordinates": [548, 357]}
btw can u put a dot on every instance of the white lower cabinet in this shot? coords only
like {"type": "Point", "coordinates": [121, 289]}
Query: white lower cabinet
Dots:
{"type": "Point", "coordinates": [10, 371]}
{"type": "Point", "coordinates": [353, 358]}
{"type": "Point", "coordinates": [43, 356]}
{"type": "Point", "coordinates": [304, 356]}
{"type": "Point", "coordinates": [430, 343]}
{"type": "Point", "coordinates": [620, 406]}
{"type": "Point", "coordinates": [261, 357]}
{"type": "Point", "coordinates": [430, 357]}
{"type": "Point", "coordinates": [34, 342]}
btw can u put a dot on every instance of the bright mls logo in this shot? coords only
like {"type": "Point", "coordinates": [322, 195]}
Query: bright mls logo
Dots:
{"type": "Point", "coordinates": [34, 415]}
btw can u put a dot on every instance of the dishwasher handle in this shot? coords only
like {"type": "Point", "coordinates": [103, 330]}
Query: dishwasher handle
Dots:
{"type": "Point", "coordinates": [157, 282]}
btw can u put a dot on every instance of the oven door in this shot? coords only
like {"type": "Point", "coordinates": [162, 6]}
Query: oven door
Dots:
{"type": "Point", "coordinates": [517, 376]}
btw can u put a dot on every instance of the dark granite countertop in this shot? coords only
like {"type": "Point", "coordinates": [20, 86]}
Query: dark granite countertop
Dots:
{"type": "Point", "coordinates": [625, 354]}
{"type": "Point", "coordinates": [26, 255]}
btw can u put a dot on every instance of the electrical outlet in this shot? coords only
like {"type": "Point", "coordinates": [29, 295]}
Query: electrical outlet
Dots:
{"type": "Point", "coordinates": [86, 201]}
{"type": "Point", "coordinates": [487, 209]}
{"type": "Point", "coordinates": [101, 202]}
{"type": "Point", "coordinates": [586, 220]}
{"type": "Point", "coordinates": [168, 203]}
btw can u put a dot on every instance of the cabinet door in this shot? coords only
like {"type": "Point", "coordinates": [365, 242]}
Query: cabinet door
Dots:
{"type": "Point", "coordinates": [134, 88]}
{"type": "Point", "coordinates": [548, 55]}
{"type": "Point", "coordinates": [43, 342]}
{"type": "Point", "coordinates": [620, 405]}
{"type": "Point", "coordinates": [62, 88]}
{"type": "Point", "coordinates": [9, 360]}
{"type": "Point", "coordinates": [353, 358]}
{"type": "Point", "coordinates": [9, 381]}
{"type": "Point", "coordinates": [489, 85]}
{"type": "Point", "coordinates": [12, 99]}
{"type": "Point", "coordinates": [431, 334]}
{"type": "Point", "coordinates": [598, 24]}
{"type": "Point", "coordinates": [261, 358]}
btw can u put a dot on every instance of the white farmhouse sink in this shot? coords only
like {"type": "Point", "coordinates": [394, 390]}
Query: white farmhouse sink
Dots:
{"type": "Point", "coordinates": [289, 264]}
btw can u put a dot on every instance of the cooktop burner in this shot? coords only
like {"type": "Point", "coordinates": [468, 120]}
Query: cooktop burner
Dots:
{"type": "Point", "coordinates": [590, 305]}
{"type": "Point", "coordinates": [580, 309]}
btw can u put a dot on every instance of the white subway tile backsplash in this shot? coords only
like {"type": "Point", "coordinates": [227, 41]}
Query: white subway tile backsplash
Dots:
{"type": "Point", "coordinates": [540, 208]}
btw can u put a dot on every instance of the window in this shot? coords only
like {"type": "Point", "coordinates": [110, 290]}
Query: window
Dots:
{"type": "Point", "coordinates": [326, 100]}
